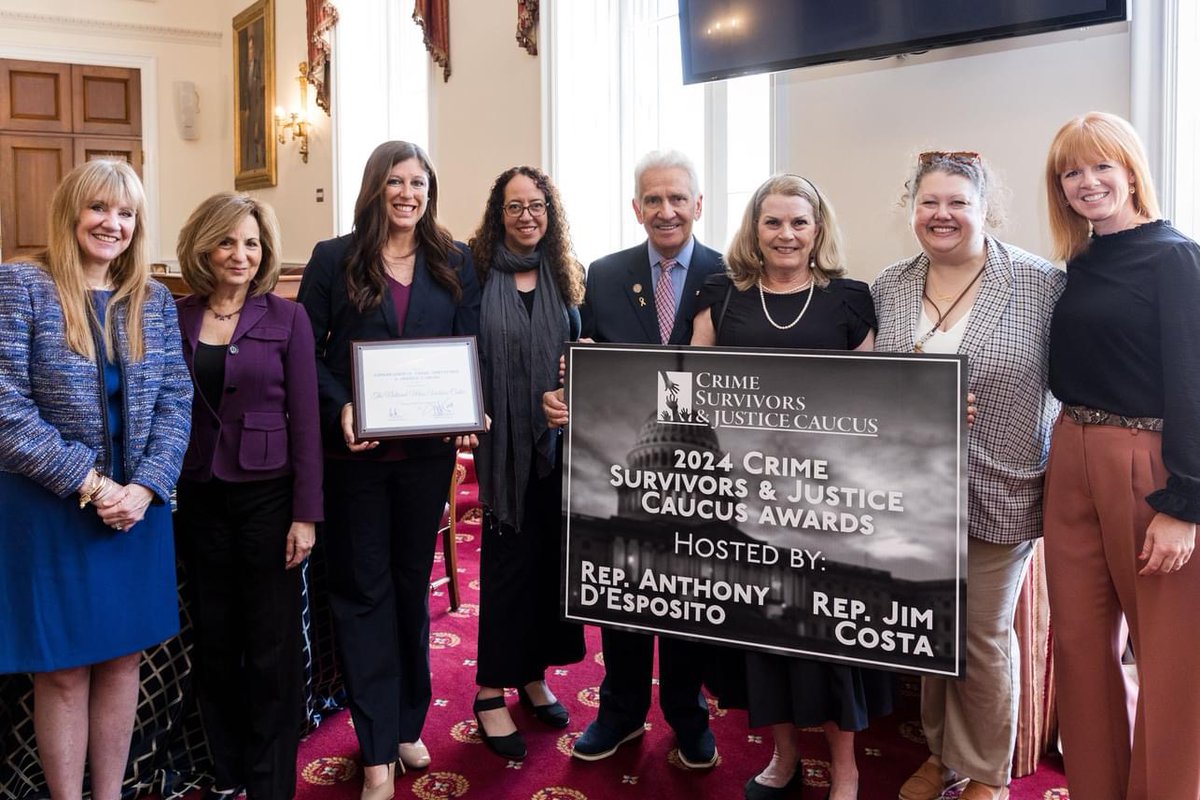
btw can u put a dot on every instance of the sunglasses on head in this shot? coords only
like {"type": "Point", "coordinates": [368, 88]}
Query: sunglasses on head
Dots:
{"type": "Point", "coordinates": [961, 156]}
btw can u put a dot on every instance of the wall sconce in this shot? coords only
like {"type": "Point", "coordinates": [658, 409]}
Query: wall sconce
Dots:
{"type": "Point", "coordinates": [295, 121]}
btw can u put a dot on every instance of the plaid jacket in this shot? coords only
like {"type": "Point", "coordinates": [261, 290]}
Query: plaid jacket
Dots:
{"type": "Point", "coordinates": [1007, 342]}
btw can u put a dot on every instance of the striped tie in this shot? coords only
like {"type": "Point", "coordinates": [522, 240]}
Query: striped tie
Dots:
{"type": "Point", "coordinates": [664, 299]}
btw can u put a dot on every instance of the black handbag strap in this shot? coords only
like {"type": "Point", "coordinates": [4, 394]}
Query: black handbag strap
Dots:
{"type": "Point", "coordinates": [721, 316]}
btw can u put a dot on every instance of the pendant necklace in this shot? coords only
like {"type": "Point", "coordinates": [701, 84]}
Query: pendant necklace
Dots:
{"type": "Point", "coordinates": [919, 345]}
{"type": "Point", "coordinates": [224, 317]}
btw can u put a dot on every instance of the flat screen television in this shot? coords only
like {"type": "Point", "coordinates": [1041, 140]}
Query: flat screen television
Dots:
{"type": "Point", "coordinates": [728, 38]}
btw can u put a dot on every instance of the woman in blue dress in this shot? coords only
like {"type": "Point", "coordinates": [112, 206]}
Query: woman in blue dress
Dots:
{"type": "Point", "coordinates": [94, 416]}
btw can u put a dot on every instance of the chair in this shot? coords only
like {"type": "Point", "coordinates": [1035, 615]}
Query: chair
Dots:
{"type": "Point", "coordinates": [449, 534]}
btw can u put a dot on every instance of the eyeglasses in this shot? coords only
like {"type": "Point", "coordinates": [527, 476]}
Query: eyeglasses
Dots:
{"type": "Point", "coordinates": [514, 209]}
{"type": "Point", "coordinates": [961, 156]}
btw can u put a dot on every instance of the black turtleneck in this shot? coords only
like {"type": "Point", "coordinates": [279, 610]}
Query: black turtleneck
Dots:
{"type": "Point", "coordinates": [1125, 338]}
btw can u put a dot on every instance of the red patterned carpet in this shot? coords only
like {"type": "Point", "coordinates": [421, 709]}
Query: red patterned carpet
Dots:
{"type": "Point", "coordinates": [463, 767]}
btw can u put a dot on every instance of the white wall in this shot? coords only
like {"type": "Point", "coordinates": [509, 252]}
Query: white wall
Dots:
{"type": "Point", "coordinates": [302, 220]}
{"type": "Point", "coordinates": [856, 128]}
{"type": "Point", "coordinates": [488, 117]}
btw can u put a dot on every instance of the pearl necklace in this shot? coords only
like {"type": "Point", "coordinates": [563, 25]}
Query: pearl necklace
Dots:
{"type": "Point", "coordinates": [762, 296]}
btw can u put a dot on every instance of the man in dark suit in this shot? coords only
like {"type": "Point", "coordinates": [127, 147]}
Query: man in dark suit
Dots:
{"type": "Point", "coordinates": [647, 295]}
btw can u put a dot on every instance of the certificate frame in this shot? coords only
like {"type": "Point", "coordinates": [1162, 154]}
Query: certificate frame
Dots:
{"type": "Point", "coordinates": [406, 388]}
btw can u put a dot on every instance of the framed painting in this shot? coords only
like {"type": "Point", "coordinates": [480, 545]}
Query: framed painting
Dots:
{"type": "Point", "coordinates": [254, 96]}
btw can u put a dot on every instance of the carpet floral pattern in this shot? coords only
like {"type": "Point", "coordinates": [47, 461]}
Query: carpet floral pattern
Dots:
{"type": "Point", "coordinates": [646, 768]}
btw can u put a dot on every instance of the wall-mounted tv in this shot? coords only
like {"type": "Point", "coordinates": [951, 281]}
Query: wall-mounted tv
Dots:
{"type": "Point", "coordinates": [727, 38]}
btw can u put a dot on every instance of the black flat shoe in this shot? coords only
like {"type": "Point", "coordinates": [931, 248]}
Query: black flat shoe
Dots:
{"type": "Point", "coordinates": [553, 714]}
{"type": "Point", "coordinates": [760, 791]}
{"type": "Point", "coordinates": [511, 746]}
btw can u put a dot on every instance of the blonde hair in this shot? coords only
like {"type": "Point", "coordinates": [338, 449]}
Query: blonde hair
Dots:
{"type": "Point", "coordinates": [113, 183]}
{"type": "Point", "coordinates": [209, 225]}
{"type": "Point", "coordinates": [1095, 136]}
{"type": "Point", "coordinates": [744, 260]}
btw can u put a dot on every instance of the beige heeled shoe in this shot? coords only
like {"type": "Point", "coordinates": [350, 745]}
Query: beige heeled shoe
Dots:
{"type": "Point", "coordinates": [413, 755]}
{"type": "Point", "coordinates": [382, 791]}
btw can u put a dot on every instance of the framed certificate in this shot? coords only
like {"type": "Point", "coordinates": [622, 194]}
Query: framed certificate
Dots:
{"type": "Point", "coordinates": [417, 387]}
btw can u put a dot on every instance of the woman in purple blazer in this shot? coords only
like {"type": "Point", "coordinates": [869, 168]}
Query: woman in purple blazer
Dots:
{"type": "Point", "coordinates": [250, 493]}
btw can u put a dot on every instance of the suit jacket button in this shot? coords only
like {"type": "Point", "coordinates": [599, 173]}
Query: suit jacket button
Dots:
{"type": "Point", "coordinates": [233, 348]}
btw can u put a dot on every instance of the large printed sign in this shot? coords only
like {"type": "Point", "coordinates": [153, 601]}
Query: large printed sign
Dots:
{"type": "Point", "coordinates": [798, 502]}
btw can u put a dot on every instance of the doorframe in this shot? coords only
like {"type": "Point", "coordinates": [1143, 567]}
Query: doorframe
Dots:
{"type": "Point", "coordinates": [147, 66]}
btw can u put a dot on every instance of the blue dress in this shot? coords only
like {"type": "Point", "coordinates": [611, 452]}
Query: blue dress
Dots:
{"type": "Point", "coordinates": [72, 590]}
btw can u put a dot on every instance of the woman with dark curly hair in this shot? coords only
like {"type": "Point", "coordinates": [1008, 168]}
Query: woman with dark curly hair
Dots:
{"type": "Point", "coordinates": [397, 275]}
{"type": "Point", "coordinates": [532, 284]}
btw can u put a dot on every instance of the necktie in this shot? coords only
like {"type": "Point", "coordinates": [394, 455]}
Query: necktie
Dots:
{"type": "Point", "coordinates": [664, 299]}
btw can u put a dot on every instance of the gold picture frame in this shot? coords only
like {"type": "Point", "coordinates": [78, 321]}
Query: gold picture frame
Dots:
{"type": "Point", "coordinates": [254, 165]}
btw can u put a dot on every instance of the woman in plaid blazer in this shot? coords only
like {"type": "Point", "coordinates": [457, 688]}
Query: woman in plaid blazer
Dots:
{"type": "Point", "coordinates": [966, 292]}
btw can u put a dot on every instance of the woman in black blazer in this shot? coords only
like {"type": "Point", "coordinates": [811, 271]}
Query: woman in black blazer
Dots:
{"type": "Point", "coordinates": [399, 274]}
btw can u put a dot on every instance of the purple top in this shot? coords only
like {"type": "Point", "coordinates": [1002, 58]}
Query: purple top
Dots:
{"type": "Point", "coordinates": [267, 424]}
{"type": "Point", "coordinates": [400, 295]}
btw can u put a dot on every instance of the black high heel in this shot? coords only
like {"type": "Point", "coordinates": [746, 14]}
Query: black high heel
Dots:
{"type": "Point", "coordinates": [511, 746]}
{"type": "Point", "coordinates": [553, 714]}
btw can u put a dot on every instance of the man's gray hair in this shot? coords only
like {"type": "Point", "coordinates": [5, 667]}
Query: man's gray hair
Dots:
{"type": "Point", "coordinates": [665, 159]}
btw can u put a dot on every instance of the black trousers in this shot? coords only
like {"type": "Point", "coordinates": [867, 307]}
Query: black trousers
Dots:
{"type": "Point", "coordinates": [520, 632]}
{"type": "Point", "coordinates": [246, 612]}
{"type": "Point", "coordinates": [628, 669]}
{"type": "Point", "coordinates": [381, 531]}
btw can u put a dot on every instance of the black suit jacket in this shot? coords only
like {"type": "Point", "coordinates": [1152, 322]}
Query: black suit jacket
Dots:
{"type": "Point", "coordinates": [619, 304]}
{"type": "Point", "coordinates": [336, 323]}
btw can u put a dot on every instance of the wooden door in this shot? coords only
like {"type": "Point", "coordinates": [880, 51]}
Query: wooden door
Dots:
{"type": "Point", "coordinates": [30, 169]}
{"type": "Point", "coordinates": [89, 147]}
{"type": "Point", "coordinates": [35, 96]}
{"type": "Point", "coordinates": [52, 118]}
{"type": "Point", "coordinates": [106, 100]}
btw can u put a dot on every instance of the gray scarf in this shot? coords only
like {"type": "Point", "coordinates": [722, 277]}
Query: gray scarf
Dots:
{"type": "Point", "coordinates": [520, 354]}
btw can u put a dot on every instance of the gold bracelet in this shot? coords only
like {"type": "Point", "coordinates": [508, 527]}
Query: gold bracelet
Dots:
{"type": "Point", "coordinates": [89, 493]}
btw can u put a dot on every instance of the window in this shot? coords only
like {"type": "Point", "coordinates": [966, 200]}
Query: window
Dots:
{"type": "Point", "coordinates": [380, 90]}
{"type": "Point", "coordinates": [1187, 120]}
{"type": "Point", "coordinates": [614, 92]}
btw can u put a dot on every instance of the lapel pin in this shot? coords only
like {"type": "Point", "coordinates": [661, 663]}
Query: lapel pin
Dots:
{"type": "Point", "coordinates": [642, 301]}
{"type": "Point", "coordinates": [637, 288]}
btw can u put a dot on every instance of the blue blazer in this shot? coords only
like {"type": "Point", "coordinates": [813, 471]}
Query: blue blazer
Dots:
{"type": "Point", "coordinates": [336, 323]}
{"type": "Point", "coordinates": [52, 398]}
{"type": "Point", "coordinates": [618, 305]}
{"type": "Point", "coordinates": [267, 424]}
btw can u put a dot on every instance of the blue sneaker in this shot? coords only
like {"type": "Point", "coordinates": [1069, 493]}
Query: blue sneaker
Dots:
{"type": "Point", "coordinates": [599, 742]}
{"type": "Point", "coordinates": [700, 752]}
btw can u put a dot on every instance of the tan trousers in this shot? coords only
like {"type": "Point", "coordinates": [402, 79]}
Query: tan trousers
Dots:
{"type": "Point", "coordinates": [972, 724]}
{"type": "Point", "coordinates": [1096, 518]}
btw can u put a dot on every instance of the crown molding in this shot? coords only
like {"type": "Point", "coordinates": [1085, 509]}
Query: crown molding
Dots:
{"type": "Point", "coordinates": [103, 27]}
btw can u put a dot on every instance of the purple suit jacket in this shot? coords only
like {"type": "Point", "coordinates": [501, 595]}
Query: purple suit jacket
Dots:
{"type": "Point", "coordinates": [268, 424]}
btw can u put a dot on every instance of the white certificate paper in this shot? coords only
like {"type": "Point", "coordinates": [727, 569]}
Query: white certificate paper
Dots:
{"type": "Point", "coordinates": [417, 387]}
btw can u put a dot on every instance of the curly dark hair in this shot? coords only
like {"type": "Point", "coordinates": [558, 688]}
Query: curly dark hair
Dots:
{"type": "Point", "coordinates": [365, 270]}
{"type": "Point", "coordinates": [555, 245]}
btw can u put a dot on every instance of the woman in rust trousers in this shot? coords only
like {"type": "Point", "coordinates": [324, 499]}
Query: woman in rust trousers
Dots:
{"type": "Point", "coordinates": [1122, 494]}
